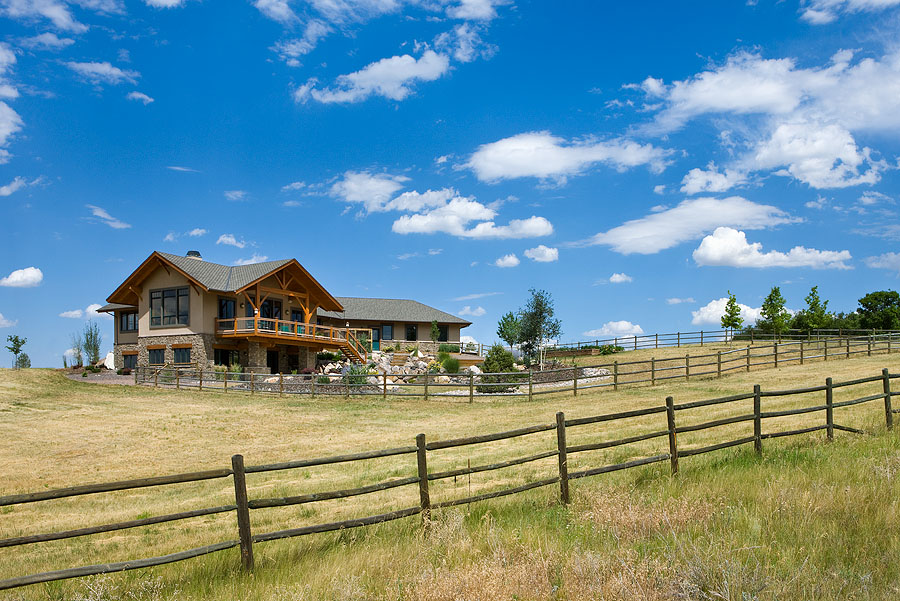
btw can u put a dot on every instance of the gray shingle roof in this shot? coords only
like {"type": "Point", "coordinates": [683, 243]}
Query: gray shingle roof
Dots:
{"type": "Point", "coordinates": [390, 309]}
{"type": "Point", "coordinates": [223, 278]}
{"type": "Point", "coordinates": [114, 307]}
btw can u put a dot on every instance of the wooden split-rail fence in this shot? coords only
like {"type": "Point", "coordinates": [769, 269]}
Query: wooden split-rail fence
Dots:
{"type": "Point", "coordinates": [574, 379]}
{"type": "Point", "coordinates": [669, 429]}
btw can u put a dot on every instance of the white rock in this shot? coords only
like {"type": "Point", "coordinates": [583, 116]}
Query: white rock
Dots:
{"type": "Point", "coordinates": [442, 380]}
{"type": "Point", "coordinates": [474, 369]}
{"type": "Point", "coordinates": [109, 362]}
{"type": "Point", "coordinates": [272, 380]}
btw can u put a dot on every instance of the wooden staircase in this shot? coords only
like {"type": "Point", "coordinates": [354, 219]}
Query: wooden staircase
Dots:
{"type": "Point", "coordinates": [399, 359]}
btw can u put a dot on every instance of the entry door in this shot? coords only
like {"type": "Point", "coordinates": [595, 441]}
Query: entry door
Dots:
{"type": "Point", "coordinates": [272, 361]}
{"type": "Point", "coordinates": [376, 339]}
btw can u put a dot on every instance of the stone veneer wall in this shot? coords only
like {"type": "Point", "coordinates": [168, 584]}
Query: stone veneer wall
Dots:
{"type": "Point", "coordinates": [201, 348]}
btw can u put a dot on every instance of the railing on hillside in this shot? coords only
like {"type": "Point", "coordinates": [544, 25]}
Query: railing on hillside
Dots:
{"type": "Point", "coordinates": [679, 339]}
{"type": "Point", "coordinates": [526, 384]}
{"type": "Point", "coordinates": [560, 449]}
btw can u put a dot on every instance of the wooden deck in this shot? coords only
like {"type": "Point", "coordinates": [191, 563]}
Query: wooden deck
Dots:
{"type": "Point", "coordinates": [347, 339]}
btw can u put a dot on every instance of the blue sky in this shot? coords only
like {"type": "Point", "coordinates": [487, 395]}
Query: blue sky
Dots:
{"type": "Point", "coordinates": [637, 160]}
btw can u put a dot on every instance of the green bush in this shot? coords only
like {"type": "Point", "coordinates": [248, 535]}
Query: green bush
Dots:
{"type": "Point", "coordinates": [412, 348]}
{"type": "Point", "coordinates": [356, 375]}
{"type": "Point", "coordinates": [323, 380]}
{"type": "Point", "coordinates": [499, 360]}
{"type": "Point", "coordinates": [448, 348]}
{"type": "Point", "coordinates": [442, 355]}
{"type": "Point", "coordinates": [451, 365]}
{"type": "Point", "coordinates": [84, 374]}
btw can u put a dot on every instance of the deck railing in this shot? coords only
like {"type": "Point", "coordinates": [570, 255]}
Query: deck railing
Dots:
{"type": "Point", "coordinates": [282, 328]}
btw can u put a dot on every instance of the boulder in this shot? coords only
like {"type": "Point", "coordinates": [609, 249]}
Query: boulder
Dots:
{"type": "Point", "coordinates": [442, 380]}
{"type": "Point", "coordinates": [473, 369]}
{"type": "Point", "coordinates": [271, 380]}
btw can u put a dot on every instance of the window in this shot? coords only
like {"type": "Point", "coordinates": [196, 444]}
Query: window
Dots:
{"type": "Point", "coordinates": [444, 333]}
{"type": "Point", "coordinates": [387, 332]}
{"type": "Point", "coordinates": [157, 356]}
{"type": "Point", "coordinates": [226, 356]}
{"type": "Point", "coordinates": [226, 308]}
{"type": "Point", "coordinates": [170, 307]}
{"type": "Point", "coordinates": [182, 355]}
{"type": "Point", "coordinates": [412, 331]}
{"type": "Point", "coordinates": [129, 361]}
{"type": "Point", "coordinates": [128, 322]}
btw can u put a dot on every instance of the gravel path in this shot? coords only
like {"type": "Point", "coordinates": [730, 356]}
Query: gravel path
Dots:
{"type": "Point", "coordinates": [104, 377]}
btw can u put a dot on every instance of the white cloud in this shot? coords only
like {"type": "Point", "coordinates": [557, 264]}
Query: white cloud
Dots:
{"type": "Point", "coordinates": [819, 203]}
{"type": "Point", "coordinates": [464, 43]}
{"type": "Point", "coordinates": [89, 312]}
{"type": "Point", "coordinates": [476, 10]}
{"type": "Point", "coordinates": [690, 220]}
{"type": "Point", "coordinates": [293, 186]}
{"type": "Point", "coordinates": [729, 247]}
{"type": "Point", "coordinates": [140, 97]}
{"type": "Point", "coordinates": [660, 189]}
{"type": "Point", "coordinates": [545, 156]}
{"type": "Point", "coordinates": [454, 217]}
{"type": "Point", "coordinates": [710, 180]}
{"type": "Point", "coordinates": [54, 11]}
{"type": "Point", "coordinates": [476, 312]}
{"type": "Point", "coordinates": [181, 169]}
{"type": "Point", "coordinates": [510, 260]}
{"type": "Point", "coordinates": [819, 12]}
{"type": "Point", "coordinates": [870, 197]}
{"type": "Point", "coordinates": [291, 50]}
{"type": "Point", "coordinates": [253, 259]}
{"type": "Point", "coordinates": [678, 301]}
{"type": "Point", "coordinates": [104, 72]}
{"type": "Point", "coordinates": [47, 41]}
{"type": "Point", "coordinates": [6, 323]}
{"type": "Point", "coordinates": [277, 10]}
{"type": "Point", "coordinates": [17, 184]}
{"type": "Point", "coordinates": [712, 313]}
{"type": "Point", "coordinates": [230, 240]}
{"type": "Point", "coordinates": [292, 203]}
{"type": "Point", "coordinates": [391, 78]}
{"type": "Point", "coordinates": [236, 195]}
{"type": "Point", "coordinates": [476, 296]}
{"type": "Point", "coordinates": [101, 6]}
{"type": "Point", "coordinates": [107, 219]}
{"type": "Point", "coordinates": [616, 328]}
{"type": "Point", "coordinates": [164, 3]}
{"type": "Point", "coordinates": [170, 237]}
{"type": "Point", "coordinates": [10, 123]}
{"type": "Point", "coordinates": [372, 190]}
{"type": "Point", "coordinates": [197, 231]}
{"type": "Point", "coordinates": [28, 277]}
{"type": "Point", "coordinates": [414, 201]}
{"type": "Point", "coordinates": [889, 261]}
{"type": "Point", "coordinates": [543, 254]}
{"type": "Point", "coordinates": [620, 278]}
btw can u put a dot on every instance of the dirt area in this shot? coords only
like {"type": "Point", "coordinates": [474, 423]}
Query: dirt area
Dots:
{"type": "Point", "coordinates": [104, 377]}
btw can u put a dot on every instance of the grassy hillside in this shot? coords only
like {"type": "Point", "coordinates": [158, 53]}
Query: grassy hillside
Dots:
{"type": "Point", "coordinates": [807, 520]}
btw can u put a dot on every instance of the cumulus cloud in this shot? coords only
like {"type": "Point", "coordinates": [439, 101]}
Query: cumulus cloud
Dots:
{"type": "Point", "coordinates": [543, 254]}
{"type": "Point", "coordinates": [510, 260]}
{"type": "Point", "coordinates": [7, 323]}
{"type": "Point", "coordinates": [542, 155]}
{"type": "Point", "coordinates": [372, 190]}
{"type": "Point", "coordinates": [616, 328]}
{"type": "Point", "coordinates": [729, 247]}
{"type": "Point", "coordinates": [47, 41]}
{"type": "Point", "coordinates": [139, 97]}
{"type": "Point", "coordinates": [14, 186]}
{"type": "Point", "coordinates": [620, 278]}
{"type": "Point", "coordinates": [678, 301]}
{"type": "Point", "coordinates": [469, 311]}
{"type": "Point", "coordinates": [690, 220]}
{"type": "Point", "coordinates": [55, 11]}
{"type": "Point", "coordinates": [291, 50]}
{"type": "Point", "coordinates": [477, 10]}
{"type": "Point", "coordinates": [197, 231]}
{"type": "Point", "coordinates": [277, 10]}
{"type": "Point", "coordinates": [107, 219]}
{"type": "Point", "coordinates": [820, 12]}
{"type": "Point", "coordinates": [253, 259]}
{"type": "Point", "coordinates": [390, 78]}
{"type": "Point", "coordinates": [230, 240]}
{"type": "Point", "coordinates": [710, 180]}
{"type": "Point", "coordinates": [28, 277]}
{"type": "Point", "coordinates": [293, 186]}
{"type": "Point", "coordinates": [73, 314]}
{"type": "Point", "coordinates": [711, 313]}
{"type": "Point", "coordinates": [889, 261]}
{"type": "Point", "coordinates": [88, 312]}
{"type": "Point", "coordinates": [464, 43]}
{"type": "Point", "coordinates": [103, 72]}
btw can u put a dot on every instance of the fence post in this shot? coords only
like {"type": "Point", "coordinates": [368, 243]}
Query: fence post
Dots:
{"type": "Point", "coordinates": [280, 384]}
{"type": "Point", "coordinates": [757, 420]}
{"type": "Point", "coordinates": [801, 352]}
{"type": "Point", "coordinates": [673, 445]}
{"type": "Point", "coordinates": [177, 379]}
{"type": "Point", "coordinates": [201, 378]}
{"type": "Point", "coordinates": [679, 340]}
{"type": "Point", "coordinates": [243, 511]}
{"type": "Point", "coordinates": [530, 384]}
{"type": "Point", "coordinates": [225, 381]}
{"type": "Point", "coordinates": [252, 382]}
{"type": "Point", "coordinates": [719, 364]}
{"type": "Point", "coordinates": [635, 342]}
{"type": "Point", "coordinates": [891, 335]}
{"type": "Point", "coordinates": [156, 379]}
{"type": "Point", "coordinates": [652, 371]}
{"type": "Point", "coordinates": [657, 340]}
{"type": "Point", "coordinates": [848, 347]}
{"type": "Point", "coordinates": [422, 466]}
{"type": "Point", "coordinates": [869, 343]}
{"type": "Point", "coordinates": [825, 353]}
{"type": "Point", "coordinates": [616, 374]}
{"type": "Point", "coordinates": [384, 386]}
{"type": "Point", "coordinates": [347, 387]}
{"type": "Point", "coordinates": [748, 359]}
{"type": "Point", "coordinates": [563, 459]}
{"type": "Point", "coordinates": [687, 367]}
{"type": "Point", "coordinates": [888, 412]}
{"type": "Point", "coordinates": [426, 385]}
{"type": "Point", "coordinates": [471, 387]}
{"type": "Point", "coordinates": [136, 375]}
{"type": "Point", "coordinates": [701, 337]}
{"type": "Point", "coordinates": [775, 346]}
{"type": "Point", "coordinates": [829, 409]}
{"type": "Point", "coordinates": [575, 381]}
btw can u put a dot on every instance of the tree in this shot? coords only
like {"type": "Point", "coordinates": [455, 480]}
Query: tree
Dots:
{"type": "Point", "coordinates": [15, 347]}
{"type": "Point", "coordinates": [732, 318]}
{"type": "Point", "coordinates": [508, 329]}
{"type": "Point", "coordinates": [498, 360]}
{"type": "Point", "coordinates": [880, 310]}
{"type": "Point", "coordinates": [23, 361]}
{"type": "Point", "coordinates": [435, 331]}
{"type": "Point", "coordinates": [91, 341]}
{"type": "Point", "coordinates": [815, 316]}
{"type": "Point", "coordinates": [77, 350]}
{"type": "Point", "coordinates": [537, 325]}
{"type": "Point", "coordinates": [774, 314]}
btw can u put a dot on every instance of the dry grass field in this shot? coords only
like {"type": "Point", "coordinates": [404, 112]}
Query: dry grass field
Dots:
{"type": "Point", "coordinates": [808, 520]}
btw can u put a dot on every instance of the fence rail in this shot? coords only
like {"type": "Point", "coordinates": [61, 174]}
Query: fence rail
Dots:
{"type": "Point", "coordinates": [527, 384]}
{"type": "Point", "coordinates": [244, 504]}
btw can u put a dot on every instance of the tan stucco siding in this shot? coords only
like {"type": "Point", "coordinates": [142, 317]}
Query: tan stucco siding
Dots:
{"type": "Point", "coordinates": [161, 280]}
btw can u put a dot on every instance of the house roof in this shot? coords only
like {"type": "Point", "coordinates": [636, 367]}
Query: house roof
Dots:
{"type": "Point", "coordinates": [390, 309]}
{"type": "Point", "coordinates": [114, 307]}
{"type": "Point", "coordinates": [220, 278]}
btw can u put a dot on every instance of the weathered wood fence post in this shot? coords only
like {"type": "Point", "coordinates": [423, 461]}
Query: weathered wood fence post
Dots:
{"type": "Point", "coordinates": [243, 511]}
{"type": "Point", "coordinates": [825, 352]}
{"type": "Point", "coordinates": [252, 382]}
{"type": "Point", "coordinates": [775, 346]}
{"type": "Point", "coordinates": [530, 384]}
{"type": "Point", "coordinates": [422, 466]}
{"type": "Point", "coordinates": [829, 409]}
{"type": "Point", "coordinates": [848, 347]}
{"type": "Point", "coordinates": [687, 367]}
{"type": "Point", "coordinates": [678, 344]}
{"type": "Point", "coordinates": [575, 381]}
{"type": "Point", "coordinates": [701, 337]}
{"type": "Point", "coordinates": [616, 374]}
{"type": "Point", "coordinates": [384, 387]}
{"type": "Point", "coordinates": [673, 445]}
{"type": "Point", "coordinates": [719, 364]}
{"type": "Point", "coordinates": [426, 385]}
{"type": "Point", "coordinates": [471, 387]}
{"type": "Point", "coordinates": [200, 371]}
{"type": "Point", "coordinates": [652, 371]}
{"type": "Point", "coordinates": [801, 352]}
{"type": "Point", "coordinates": [757, 419]}
{"type": "Point", "coordinates": [280, 384]}
{"type": "Point", "coordinates": [888, 412]}
{"type": "Point", "coordinates": [748, 358]}
{"type": "Point", "coordinates": [563, 458]}
{"type": "Point", "coordinates": [177, 379]}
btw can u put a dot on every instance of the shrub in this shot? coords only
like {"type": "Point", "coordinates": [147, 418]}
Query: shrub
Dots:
{"type": "Point", "coordinates": [448, 348]}
{"type": "Point", "coordinates": [434, 367]}
{"type": "Point", "coordinates": [124, 371]}
{"type": "Point", "coordinates": [235, 368]}
{"type": "Point", "coordinates": [323, 380]}
{"type": "Point", "coordinates": [498, 360]}
{"type": "Point", "coordinates": [412, 349]}
{"type": "Point", "coordinates": [441, 356]}
{"type": "Point", "coordinates": [307, 370]}
{"type": "Point", "coordinates": [356, 375]}
{"type": "Point", "coordinates": [451, 365]}
{"type": "Point", "coordinates": [84, 374]}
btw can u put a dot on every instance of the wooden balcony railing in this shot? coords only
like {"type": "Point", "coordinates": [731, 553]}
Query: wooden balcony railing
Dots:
{"type": "Point", "coordinates": [282, 328]}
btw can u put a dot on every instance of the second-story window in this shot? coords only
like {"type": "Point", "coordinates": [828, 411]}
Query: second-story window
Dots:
{"type": "Point", "coordinates": [170, 307]}
{"type": "Point", "coordinates": [128, 322]}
